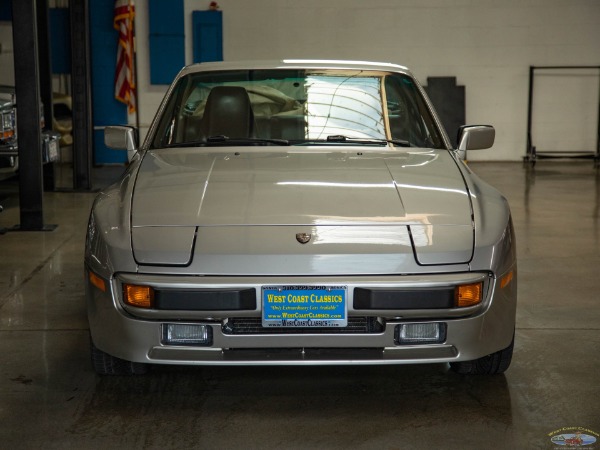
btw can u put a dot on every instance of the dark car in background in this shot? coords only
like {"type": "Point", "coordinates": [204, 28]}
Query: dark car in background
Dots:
{"type": "Point", "coordinates": [9, 149]}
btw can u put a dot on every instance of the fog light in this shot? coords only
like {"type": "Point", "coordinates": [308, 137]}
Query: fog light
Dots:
{"type": "Point", "coordinates": [186, 334]}
{"type": "Point", "coordinates": [421, 333]}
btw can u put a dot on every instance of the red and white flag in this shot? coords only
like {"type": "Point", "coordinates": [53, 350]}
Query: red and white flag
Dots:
{"type": "Point", "coordinates": [124, 74]}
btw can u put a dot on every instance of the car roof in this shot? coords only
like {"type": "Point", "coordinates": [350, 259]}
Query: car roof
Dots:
{"type": "Point", "coordinates": [295, 64]}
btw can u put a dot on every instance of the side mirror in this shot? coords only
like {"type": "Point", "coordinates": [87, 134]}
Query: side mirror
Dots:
{"type": "Point", "coordinates": [121, 138]}
{"type": "Point", "coordinates": [475, 137]}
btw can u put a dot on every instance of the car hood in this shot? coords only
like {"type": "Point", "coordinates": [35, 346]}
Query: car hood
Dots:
{"type": "Point", "coordinates": [249, 194]}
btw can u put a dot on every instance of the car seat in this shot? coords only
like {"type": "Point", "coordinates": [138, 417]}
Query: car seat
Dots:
{"type": "Point", "coordinates": [228, 112]}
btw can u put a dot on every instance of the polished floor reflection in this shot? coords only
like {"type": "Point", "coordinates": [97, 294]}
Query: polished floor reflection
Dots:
{"type": "Point", "coordinates": [50, 397]}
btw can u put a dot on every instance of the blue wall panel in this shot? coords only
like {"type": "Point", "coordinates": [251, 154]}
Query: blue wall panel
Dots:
{"type": "Point", "coordinates": [106, 109]}
{"type": "Point", "coordinates": [207, 35]}
{"type": "Point", "coordinates": [166, 17]}
{"type": "Point", "coordinates": [167, 57]}
{"type": "Point", "coordinates": [166, 40]}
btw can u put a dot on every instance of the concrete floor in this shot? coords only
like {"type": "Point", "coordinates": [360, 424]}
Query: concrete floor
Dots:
{"type": "Point", "coordinates": [50, 398]}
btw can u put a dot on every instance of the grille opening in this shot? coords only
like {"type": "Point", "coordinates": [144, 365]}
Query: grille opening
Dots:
{"type": "Point", "coordinates": [306, 354]}
{"type": "Point", "coordinates": [253, 325]}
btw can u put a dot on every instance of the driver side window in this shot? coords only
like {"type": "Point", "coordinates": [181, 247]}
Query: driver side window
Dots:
{"type": "Point", "coordinates": [408, 115]}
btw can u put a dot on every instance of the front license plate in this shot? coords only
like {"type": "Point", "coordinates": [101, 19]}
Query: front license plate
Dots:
{"type": "Point", "coordinates": [304, 306]}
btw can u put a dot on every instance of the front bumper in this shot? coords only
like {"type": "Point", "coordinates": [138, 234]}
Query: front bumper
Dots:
{"type": "Point", "coordinates": [471, 332]}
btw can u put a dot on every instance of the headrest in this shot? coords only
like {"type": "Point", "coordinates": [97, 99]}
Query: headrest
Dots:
{"type": "Point", "coordinates": [228, 112]}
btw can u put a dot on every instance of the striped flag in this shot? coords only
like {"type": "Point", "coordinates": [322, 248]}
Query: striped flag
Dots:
{"type": "Point", "coordinates": [124, 74]}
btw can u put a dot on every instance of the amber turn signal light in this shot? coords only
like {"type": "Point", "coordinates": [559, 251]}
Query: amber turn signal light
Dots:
{"type": "Point", "coordinates": [506, 279]}
{"type": "Point", "coordinates": [138, 296]}
{"type": "Point", "coordinates": [468, 295]}
{"type": "Point", "coordinates": [97, 281]}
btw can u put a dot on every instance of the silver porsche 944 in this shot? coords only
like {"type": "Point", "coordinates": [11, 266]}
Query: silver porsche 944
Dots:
{"type": "Point", "coordinates": [299, 212]}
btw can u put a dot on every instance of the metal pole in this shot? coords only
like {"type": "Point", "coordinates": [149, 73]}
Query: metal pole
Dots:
{"type": "Point", "coordinates": [27, 90]}
{"type": "Point", "coordinates": [45, 69]}
{"type": "Point", "coordinates": [45, 74]}
{"type": "Point", "coordinates": [82, 96]}
{"type": "Point", "coordinates": [597, 157]}
{"type": "Point", "coordinates": [530, 157]}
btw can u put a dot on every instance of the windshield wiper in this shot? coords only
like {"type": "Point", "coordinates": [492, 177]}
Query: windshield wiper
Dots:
{"type": "Point", "coordinates": [367, 141]}
{"type": "Point", "coordinates": [220, 139]}
{"type": "Point", "coordinates": [335, 138]}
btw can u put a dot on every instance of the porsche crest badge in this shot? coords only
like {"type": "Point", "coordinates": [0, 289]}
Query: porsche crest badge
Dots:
{"type": "Point", "coordinates": [303, 238]}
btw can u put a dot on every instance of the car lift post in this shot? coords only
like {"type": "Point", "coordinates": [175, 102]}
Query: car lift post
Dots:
{"type": "Point", "coordinates": [27, 90]}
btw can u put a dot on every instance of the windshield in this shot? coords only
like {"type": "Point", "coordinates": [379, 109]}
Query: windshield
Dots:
{"type": "Point", "coordinates": [296, 107]}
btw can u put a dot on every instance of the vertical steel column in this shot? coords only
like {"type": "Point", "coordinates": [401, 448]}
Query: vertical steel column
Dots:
{"type": "Point", "coordinates": [81, 92]}
{"type": "Point", "coordinates": [27, 89]}
{"type": "Point", "coordinates": [45, 68]}
{"type": "Point", "coordinates": [45, 74]}
{"type": "Point", "coordinates": [530, 152]}
{"type": "Point", "coordinates": [597, 157]}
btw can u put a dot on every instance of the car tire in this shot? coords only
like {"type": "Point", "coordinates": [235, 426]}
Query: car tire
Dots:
{"type": "Point", "coordinates": [488, 365]}
{"type": "Point", "coordinates": [105, 364]}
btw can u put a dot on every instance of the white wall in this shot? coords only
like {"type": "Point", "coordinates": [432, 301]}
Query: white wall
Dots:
{"type": "Point", "coordinates": [487, 44]}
